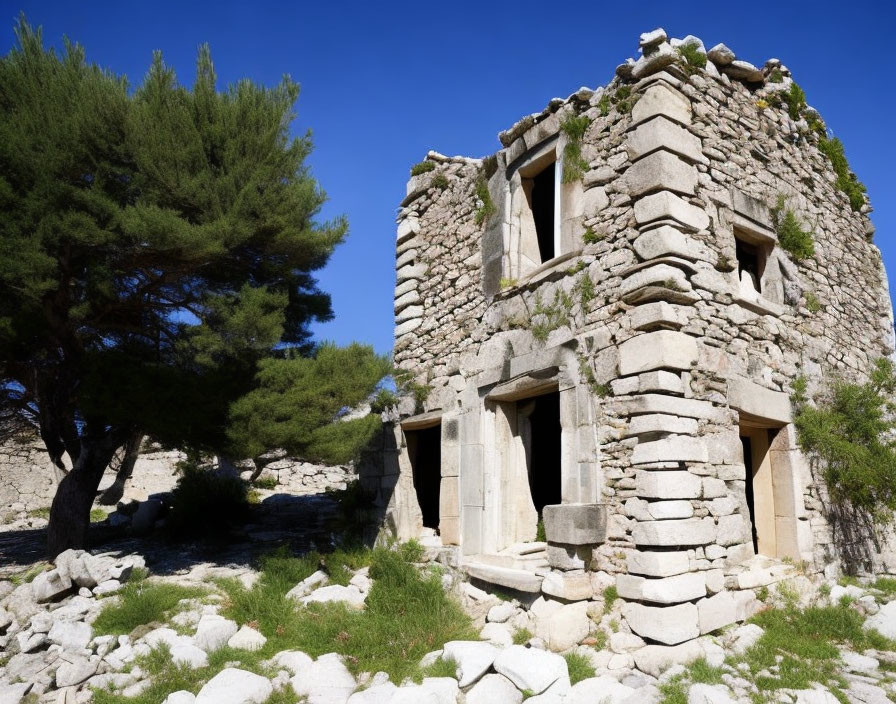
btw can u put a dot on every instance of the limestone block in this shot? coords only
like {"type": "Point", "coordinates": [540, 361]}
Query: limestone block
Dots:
{"type": "Point", "coordinates": [569, 586]}
{"type": "Point", "coordinates": [661, 133]}
{"type": "Point", "coordinates": [675, 448]}
{"type": "Point", "coordinates": [749, 397]}
{"type": "Point", "coordinates": [716, 612]}
{"type": "Point", "coordinates": [411, 271]}
{"type": "Point", "coordinates": [665, 624]}
{"type": "Point", "coordinates": [569, 557]}
{"type": "Point", "coordinates": [409, 313]}
{"type": "Point", "coordinates": [658, 314]}
{"type": "Point", "coordinates": [637, 509]}
{"type": "Point", "coordinates": [491, 688]}
{"type": "Point", "coordinates": [407, 327]}
{"type": "Point", "coordinates": [661, 99]}
{"type": "Point", "coordinates": [449, 500]}
{"type": "Point", "coordinates": [665, 205]}
{"type": "Point", "coordinates": [594, 200]}
{"type": "Point", "coordinates": [473, 659]}
{"type": "Point", "coordinates": [408, 227]}
{"type": "Point", "coordinates": [722, 506]}
{"type": "Point", "coordinates": [661, 422]}
{"type": "Point", "coordinates": [690, 531]}
{"type": "Point", "coordinates": [565, 627]}
{"type": "Point", "coordinates": [657, 564]}
{"type": "Point", "coordinates": [655, 61]}
{"type": "Point", "coordinates": [731, 530]}
{"type": "Point", "coordinates": [666, 590]}
{"type": "Point", "coordinates": [667, 241]}
{"type": "Point", "coordinates": [575, 524]}
{"type": "Point", "coordinates": [656, 659]}
{"type": "Point", "coordinates": [407, 299]}
{"type": "Point", "coordinates": [530, 669]}
{"type": "Point", "coordinates": [665, 382]}
{"type": "Point", "coordinates": [720, 55]}
{"type": "Point", "coordinates": [658, 171]}
{"type": "Point", "coordinates": [667, 349]}
{"type": "Point", "coordinates": [672, 484]}
{"type": "Point", "coordinates": [714, 488]}
{"type": "Point", "coordinates": [663, 510]}
{"type": "Point", "coordinates": [658, 275]}
{"type": "Point", "coordinates": [659, 403]}
{"type": "Point", "coordinates": [724, 448]}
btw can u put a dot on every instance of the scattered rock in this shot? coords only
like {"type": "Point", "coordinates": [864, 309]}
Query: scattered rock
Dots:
{"type": "Point", "coordinates": [233, 686]}
{"type": "Point", "coordinates": [351, 595]}
{"type": "Point", "coordinates": [180, 697]}
{"type": "Point", "coordinates": [472, 657]}
{"type": "Point", "coordinates": [709, 694]}
{"type": "Point", "coordinates": [50, 585]}
{"type": "Point", "coordinates": [492, 689]}
{"type": "Point", "coordinates": [326, 681]}
{"type": "Point", "coordinates": [247, 639]}
{"type": "Point", "coordinates": [71, 635]}
{"type": "Point", "coordinates": [530, 669]}
{"type": "Point", "coordinates": [213, 632]}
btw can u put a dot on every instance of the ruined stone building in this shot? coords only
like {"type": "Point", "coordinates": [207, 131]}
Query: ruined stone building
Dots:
{"type": "Point", "coordinates": [603, 326]}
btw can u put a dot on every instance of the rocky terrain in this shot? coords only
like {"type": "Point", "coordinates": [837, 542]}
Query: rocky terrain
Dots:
{"type": "Point", "coordinates": [54, 649]}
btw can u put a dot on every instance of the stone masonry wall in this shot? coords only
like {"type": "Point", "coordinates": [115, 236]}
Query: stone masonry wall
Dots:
{"type": "Point", "coordinates": [672, 345]}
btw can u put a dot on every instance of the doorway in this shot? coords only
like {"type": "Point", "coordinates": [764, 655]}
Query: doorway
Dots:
{"type": "Point", "coordinates": [540, 419]}
{"type": "Point", "coordinates": [759, 487]}
{"type": "Point", "coordinates": [425, 454]}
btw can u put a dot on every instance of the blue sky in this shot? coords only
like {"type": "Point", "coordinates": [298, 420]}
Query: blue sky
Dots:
{"type": "Point", "coordinates": [382, 83]}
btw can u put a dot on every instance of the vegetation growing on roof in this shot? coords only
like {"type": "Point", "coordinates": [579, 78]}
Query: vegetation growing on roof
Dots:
{"type": "Point", "coordinates": [574, 164]}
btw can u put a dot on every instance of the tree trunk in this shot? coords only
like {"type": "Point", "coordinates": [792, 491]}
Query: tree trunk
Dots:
{"type": "Point", "coordinates": [70, 511]}
{"type": "Point", "coordinates": [113, 494]}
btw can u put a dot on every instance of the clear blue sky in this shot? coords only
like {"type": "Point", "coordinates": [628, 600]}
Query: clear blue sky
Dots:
{"type": "Point", "coordinates": [383, 82]}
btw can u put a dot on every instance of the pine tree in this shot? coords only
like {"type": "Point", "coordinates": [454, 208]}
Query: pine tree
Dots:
{"type": "Point", "coordinates": [154, 246]}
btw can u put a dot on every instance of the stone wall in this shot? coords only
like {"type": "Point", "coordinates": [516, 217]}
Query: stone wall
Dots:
{"type": "Point", "coordinates": [29, 482]}
{"type": "Point", "coordinates": [666, 351]}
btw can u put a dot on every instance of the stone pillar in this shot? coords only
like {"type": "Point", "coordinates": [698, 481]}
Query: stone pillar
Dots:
{"type": "Point", "coordinates": [667, 586]}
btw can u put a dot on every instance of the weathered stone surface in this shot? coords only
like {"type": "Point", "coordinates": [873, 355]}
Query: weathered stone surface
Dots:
{"type": "Point", "coordinates": [668, 241]}
{"type": "Point", "coordinates": [665, 205]}
{"type": "Point", "coordinates": [473, 659]}
{"type": "Point", "coordinates": [575, 524]}
{"type": "Point", "coordinates": [660, 275]}
{"type": "Point", "coordinates": [662, 349]}
{"type": "Point", "coordinates": [325, 681]}
{"type": "Point", "coordinates": [377, 694]}
{"type": "Point", "coordinates": [565, 627]}
{"type": "Point", "coordinates": [668, 484]}
{"type": "Point", "coordinates": [720, 55]}
{"type": "Point", "coordinates": [234, 686]}
{"type": "Point", "coordinates": [247, 639]}
{"type": "Point", "coordinates": [661, 510]}
{"type": "Point", "coordinates": [213, 632]}
{"type": "Point", "coordinates": [661, 133]}
{"type": "Point", "coordinates": [743, 71]}
{"type": "Point", "coordinates": [658, 314]}
{"type": "Point", "coordinates": [180, 697]}
{"type": "Point", "coordinates": [494, 688]}
{"type": "Point", "coordinates": [709, 694]}
{"type": "Point", "coordinates": [71, 635]}
{"type": "Point", "coordinates": [656, 659]}
{"type": "Point", "coordinates": [50, 585]}
{"type": "Point", "coordinates": [350, 595]}
{"type": "Point", "coordinates": [75, 672]}
{"type": "Point", "coordinates": [570, 586]}
{"type": "Point", "coordinates": [661, 422]}
{"type": "Point", "coordinates": [529, 668]}
{"type": "Point", "coordinates": [691, 531]}
{"type": "Point", "coordinates": [884, 621]}
{"type": "Point", "coordinates": [716, 612]}
{"type": "Point", "coordinates": [667, 590]}
{"type": "Point", "coordinates": [308, 585]}
{"type": "Point", "coordinates": [657, 564]}
{"type": "Point", "coordinates": [660, 99]}
{"type": "Point", "coordinates": [674, 448]}
{"type": "Point", "coordinates": [660, 170]}
{"type": "Point", "coordinates": [749, 397]}
{"type": "Point", "coordinates": [599, 689]}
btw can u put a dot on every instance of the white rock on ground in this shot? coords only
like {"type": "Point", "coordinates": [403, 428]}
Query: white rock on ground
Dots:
{"type": "Point", "coordinates": [814, 696]}
{"type": "Point", "coordinates": [350, 595]}
{"type": "Point", "coordinates": [180, 697]}
{"type": "Point", "coordinates": [293, 660]}
{"type": "Point", "coordinates": [213, 632]}
{"type": "Point", "coordinates": [326, 681]}
{"type": "Point", "coordinates": [530, 669]}
{"type": "Point", "coordinates": [709, 694]}
{"type": "Point", "coordinates": [233, 686]}
{"type": "Point", "coordinates": [445, 688]}
{"type": "Point", "coordinates": [497, 633]}
{"type": "Point", "coordinates": [473, 659]}
{"type": "Point", "coordinates": [13, 693]}
{"type": "Point", "coordinates": [499, 613]}
{"type": "Point", "coordinates": [247, 639]}
{"type": "Point", "coordinates": [564, 627]}
{"type": "Point", "coordinates": [492, 689]}
{"type": "Point", "coordinates": [603, 689]}
{"type": "Point", "coordinates": [414, 694]}
{"type": "Point", "coordinates": [71, 635]}
{"type": "Point", "coordinates": [378, 694]}
{"type": "Point", "coordinates": [308, 585]}
{"type": "Point", "coordinates": [884, 621]}
{"type": "Point", "coordinates": [75, 672]}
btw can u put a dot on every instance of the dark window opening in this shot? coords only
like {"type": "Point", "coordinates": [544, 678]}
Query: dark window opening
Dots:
{"type": "Point", "coordinates": [541, 201]}
{"type": "Point", "coordinates": [544, 463]}
{"type": "Point", "coordinates": [425, 453]}
{"type": "Point", "coordinates": [748, 482]}
{"type": "Point", "coordinates": [749, 263]}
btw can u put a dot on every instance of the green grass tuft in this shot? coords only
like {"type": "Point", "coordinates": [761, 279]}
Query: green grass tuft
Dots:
{"type": "Point", "coordinates": [442, 667]}
{"type": "Point", "coordinates": [522, 636]}
{"type": "Point", "coordinates": [846, 180]}
{"type": "Point", "coordinates": [486, 207]}
{"type": "Point", "coordinates": [693, 57]}
{"type": "Point", "coordinates": [610, 597]}
{"type": "Point", "coordinates": [267, 481]}
{"type": "Point", "coordinates": [791, 236]}
{"type": "Point", "coordinates": [580, 667]}
{"type": "Point", "coordinates": [142, 602]}
{"type": "Point", "coordinates": [422, 168]}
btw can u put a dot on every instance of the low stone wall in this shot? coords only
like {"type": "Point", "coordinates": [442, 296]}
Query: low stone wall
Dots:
{"type": "Point", "coordinates": [28, 480]}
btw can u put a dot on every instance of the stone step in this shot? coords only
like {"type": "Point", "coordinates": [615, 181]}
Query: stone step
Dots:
{"type": "Point", "coordinates": [520, 580]}
{"type": "Point", "coordinates": [515, 562]}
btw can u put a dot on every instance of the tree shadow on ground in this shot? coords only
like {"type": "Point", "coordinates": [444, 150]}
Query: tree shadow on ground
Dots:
{"type": "Point", "coordinates": [300, 522]}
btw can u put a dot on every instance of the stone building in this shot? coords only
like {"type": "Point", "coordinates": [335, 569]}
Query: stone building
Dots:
{"type": "Point", "coordinates": [603, 328]}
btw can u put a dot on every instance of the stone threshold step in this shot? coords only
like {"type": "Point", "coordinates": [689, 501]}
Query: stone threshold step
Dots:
{"type": "Point", "coordinates": [520, 580]}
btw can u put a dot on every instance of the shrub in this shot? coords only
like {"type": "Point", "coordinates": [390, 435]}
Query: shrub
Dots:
{"type": "Point", "coordinates": [574, 164]}
{"type": "Point", "coordinates": [591, 237]}
{"type": "Point", "coordinates": [693, 57]}
{"type": "Point", "coordinates": [440, 181]}
{"type": "Point", "coordinates": [205, 503]}
{"type": "Point", "coordinates": [610, 597]}
{"type": "Point", "coordinates": [486, 207]}
{"type": "Point", "coordinates": [422, 168]}
{"type": "Point", "coordinates": [579, 666]}
{"type": "Point", "coordinates": [812, 302]}
{"type": "Point", "coordinates": [795, 99]}
{"type": "Point", "coordinates": [791, 236]}
{"type": "Point", "coordinates": [850, 429]}
{"type": "Point", "coordinates": [846, 180]}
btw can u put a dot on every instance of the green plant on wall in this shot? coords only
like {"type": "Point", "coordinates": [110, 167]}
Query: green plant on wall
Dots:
{"type": "Point", "coordinates": [846, 180]}
{"type": "Point", "coordinates": [850, 429]}
{"type": "Point", "coordinates": [422, 168]}
{"type": "Point", "coordinates": [592, 237]}
{"type": "Point", "coordinates": [791, 236]}
{"type": "Point", "coordinates": [440, 181]}
{"type": "Point", "coordinates": [812, 302]}
{"type": "Point", "coordinates": [693, 57]}
{"type": "Point", "coordinates": [574, 164]}
{"type": "Point", "coordinates": [547, 317]}
{"type": "Point", "coordinates": [485, 207]}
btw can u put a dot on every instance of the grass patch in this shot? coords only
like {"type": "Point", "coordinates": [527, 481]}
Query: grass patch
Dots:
{"type": "Point", "coordinates": [812, 302]}
{"type": "Point", "coordinates": [887, 585]}
{"type": "Point", "coordinates": [408, 613]}
{"type": "Point", "coordinates": [440, 181]}
{"type": "Point", "coordinates": [574, 164]}
{"type": "Point", "coordinates": [42, 512]}
{"type": "Point", "coordinates": [97, 515]}
{"type": "Point", "coordinates": [610, 597]}
{"type": "Point", "coordinates": [423, 167]}
{"type": "Point", "coordinates": [267, 481]}
{"type": "Point", "coordinates": [141, 602]}
{"type": "Point", "coordinates": [846, 180]}
{"type": "Point", "coordinates": [441, 667]}
{"type": "Point", "coordinates": [580, 667]}
{"type": "Point", "coordinates": [701, 671]}
{"type": "Point", "coordinates": [522, 636]}
{"type": "Point", "coordinates": [28, 575]}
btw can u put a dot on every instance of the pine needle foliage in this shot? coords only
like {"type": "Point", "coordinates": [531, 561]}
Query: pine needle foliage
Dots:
{"type": "Point", "coordinates": [850, 428]}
